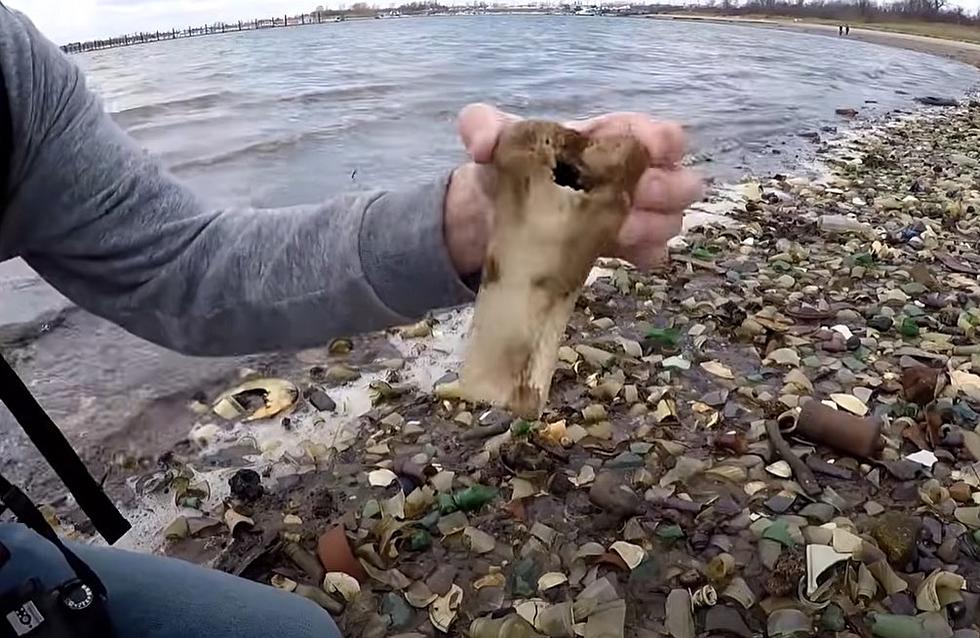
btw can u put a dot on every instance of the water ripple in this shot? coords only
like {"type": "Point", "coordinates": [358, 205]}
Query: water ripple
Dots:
{"type": "Point", "coordinates": [293, 110]}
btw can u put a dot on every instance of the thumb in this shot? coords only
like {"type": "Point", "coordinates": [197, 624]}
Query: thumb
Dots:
{"type": "Point", "coordinates": [480, 126]}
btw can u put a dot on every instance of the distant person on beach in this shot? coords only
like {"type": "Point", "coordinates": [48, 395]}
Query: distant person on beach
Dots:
{"type": "Point", "coordinates": [840, 29]}
{"type": "Point", "coordinates": [110, 228]}
{"type": "Point", "coordinates": [847, 29]}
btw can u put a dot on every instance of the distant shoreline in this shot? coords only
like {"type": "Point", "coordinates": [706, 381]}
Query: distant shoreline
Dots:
{"type": "Point", "coordinates": [958, 50]}
{"type": "Point", "coordinates": [307, 19]}
{"type": "Point", "coordinates": [966, 52]}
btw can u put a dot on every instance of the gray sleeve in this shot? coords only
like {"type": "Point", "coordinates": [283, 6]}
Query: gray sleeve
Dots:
{"type": "Point", "coordinates": [119, 236]}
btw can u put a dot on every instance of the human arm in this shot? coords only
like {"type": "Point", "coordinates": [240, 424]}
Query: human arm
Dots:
{"type": "Point", "coordinates": [114, 232]}
{"type": "Point", "coordinates": [102, 222]}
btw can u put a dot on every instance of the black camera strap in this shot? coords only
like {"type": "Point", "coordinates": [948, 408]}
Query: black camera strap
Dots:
{"type": "Point", "coordinates": [6, 141]}
{"type": "Point", "coordinates": [42, 431]}
{"type": "Point", "coordinates": [57, 451]}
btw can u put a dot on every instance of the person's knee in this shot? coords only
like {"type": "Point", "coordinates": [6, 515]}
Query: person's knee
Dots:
{"type": "Point", "coordinates": [153, 597]}
{"type": "Point", "coordinates": [31, 556]}
{"type": "Point", "coordinates": [158, 596]}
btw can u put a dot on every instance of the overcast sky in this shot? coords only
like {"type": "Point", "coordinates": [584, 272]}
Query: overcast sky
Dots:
{"type": "Point", "coordinates": [73, 20]}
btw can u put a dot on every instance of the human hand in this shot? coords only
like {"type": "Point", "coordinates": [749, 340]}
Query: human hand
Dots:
{"type": "Point", "coordinates": [663, 192]}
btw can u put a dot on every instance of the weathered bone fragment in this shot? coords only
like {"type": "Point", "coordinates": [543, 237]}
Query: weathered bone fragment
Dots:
{"type": "Point", "coordinates": [560, 200]}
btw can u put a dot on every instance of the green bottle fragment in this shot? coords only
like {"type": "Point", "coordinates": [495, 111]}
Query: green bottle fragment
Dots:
{"type": "Point", "coordinates": [523, 579]}
{"type": "Point", "coordinates": [909, 327]}
{"type": "Point", "coordinates": [864, 259]}
{"type": "Point", "coordinates": [779, 532]}
{"type": "Point", "coordinates": [447, 504]}
{"type": "Point", "coordinates": [468, 500]}
{"type": "Point", "coordinates": [895, 626]}
{"type": "Point", "coordinates": [431, 519]}
{"type": "Point", "coordinates": [420, 540]}
{"type": "Point", "coordinates": [520, 427]}
{"type": "Point", "coordinates": [670, 532]}
{"type": "Point", "coordinates": [664, 337]}
{"type": "Point", "coordinates": [832, 619]}
{"type": "Point", "coordinates": [475, 497]}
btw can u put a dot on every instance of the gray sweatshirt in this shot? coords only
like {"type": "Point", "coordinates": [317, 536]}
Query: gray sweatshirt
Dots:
{"type": "Point", "coordinates": [107, 226]}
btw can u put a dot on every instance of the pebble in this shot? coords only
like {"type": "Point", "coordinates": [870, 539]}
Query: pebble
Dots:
{"type": "Point", "coordinates": [932, 530]}
{"type": "Point", "coordinates": [780, 503]}
{"type": "Point", "coordinates": [900, 603]}
{"type": "Point", "coordinates": [896, 534]}
{"type": "Point", "coordinates": [832, 619]}
{"type": "Point", "coordinates": [961, 492]}
{"type": "Point", "coordinates": [726, 620]}
{"type": "Point", "coordinates": [818, 512]}
{"type": "Point", "coordinates": [880, 323]}
{"type": "Point", "coordinates": [716, 398]}
{"type": "Point", "coordinates": [873, 508]}
{"type": "Point", "coordinates": [397, 610]}
{"type": "Point", "coordinates": [609, 492]}
{"type": "Point", "coordinates": [321, 400]}
{"type": "Point", "coordinates": [949, 551]}
{"type": "Point", "coordinates": [625, 461]}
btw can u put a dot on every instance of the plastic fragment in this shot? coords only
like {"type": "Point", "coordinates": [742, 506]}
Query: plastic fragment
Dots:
{"type": "Point", "coordinates": [551, 579]}
{"type": "Point", "coordinates": [343, 584]}
{"type": "Point", "coordinates": [680, 620]}
{"type": "Point", "coordinates": [258, 399]}
{"type": "Point", "coordinates": [443, 610]}
{"type": "Point", "coordinates": [381, 478]}
{"type": "Point", "coordinates": [718, 369]}
{"type": "Point", "coordinates": [478, 541]}
{"type": "Point", "coordinates": [512, 626]}
{"type": "Point", "coordinates": [631, 554]}
{"type": "Point", "coordinates": [788, 623]}
{"type": "Point", "coordinates": [938, 589]}
{"type": "Point", "coordinates": [820, 558]}
{"type": "Point", "coordinates": [608, 619]}
{"type": "Point", "coordinates": [237, 522]}
{"type": "Point", "coordinates": [739, 591]}
{"type": "Point", "coordinates": [705, 596]}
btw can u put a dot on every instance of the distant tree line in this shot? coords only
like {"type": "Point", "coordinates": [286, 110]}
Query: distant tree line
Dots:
{"type": "Point", "coordinates": [363, 8]}
{"type": "Point", "coordinates": [857, 10]}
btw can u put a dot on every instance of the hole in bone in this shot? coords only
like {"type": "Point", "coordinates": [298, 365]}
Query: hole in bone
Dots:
{"type": "Point", "coordinates": [566, 174]}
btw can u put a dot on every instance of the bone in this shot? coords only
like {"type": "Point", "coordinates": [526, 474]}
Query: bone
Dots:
{"type": "Point", "coordinates": [560, 201]}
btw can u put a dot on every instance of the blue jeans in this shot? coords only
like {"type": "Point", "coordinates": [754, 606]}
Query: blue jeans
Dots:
{"type": "Point", "coordinates": [156, 597]}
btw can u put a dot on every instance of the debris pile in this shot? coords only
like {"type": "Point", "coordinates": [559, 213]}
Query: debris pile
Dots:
{"type": "Point", "coordinates": [776, 437]}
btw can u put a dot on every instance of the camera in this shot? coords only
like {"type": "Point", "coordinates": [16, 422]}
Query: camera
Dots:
{"type": "Point", "coordinates": [72, 610]}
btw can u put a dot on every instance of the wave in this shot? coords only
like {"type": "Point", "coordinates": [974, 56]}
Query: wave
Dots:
{"type": "Point", "coordinates": [266, 147]}
{"type": "Point", "coordinates": [339, 93]}
{"type": "Point", "coordinates": [175, 105]}
{"type": "Point", "coordinates": [191, 105]}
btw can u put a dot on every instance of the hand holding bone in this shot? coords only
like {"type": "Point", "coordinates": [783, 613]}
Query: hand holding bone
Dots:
{"type": "Point", "coordinates": [662, 193]}
{"type": "Point", "coordinates": [558, 196]}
